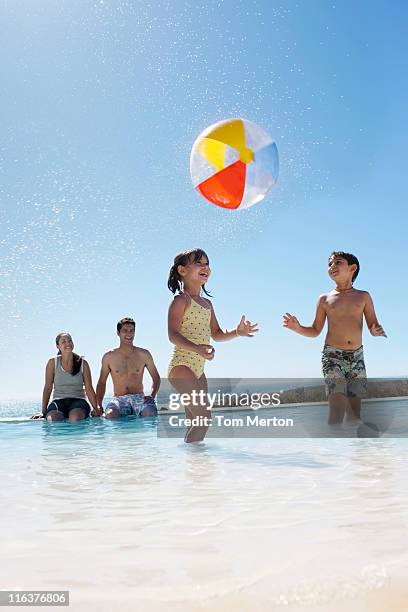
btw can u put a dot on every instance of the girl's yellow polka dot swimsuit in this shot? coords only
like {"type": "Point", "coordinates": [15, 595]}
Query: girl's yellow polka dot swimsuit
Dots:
{"type": "Point", "coordinates": [195, 326]}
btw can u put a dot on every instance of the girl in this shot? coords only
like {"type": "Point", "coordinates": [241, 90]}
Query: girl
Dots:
{"type": "Point", "coordinates": [67, 373]}
{"type": "Point", "coordinates": [192, 322]}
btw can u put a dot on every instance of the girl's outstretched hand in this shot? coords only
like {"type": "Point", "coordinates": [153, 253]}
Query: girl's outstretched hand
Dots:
{"type": "Point", "coordinates": [206, 350]}
{"type": "Point", "coordinates": [246, 328]}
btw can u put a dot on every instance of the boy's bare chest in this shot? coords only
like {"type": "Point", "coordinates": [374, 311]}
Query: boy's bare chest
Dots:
{"type": "Point", "coordinates": [344, 304]}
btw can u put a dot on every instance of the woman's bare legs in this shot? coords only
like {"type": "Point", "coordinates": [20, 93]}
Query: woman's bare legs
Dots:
{"type": "Point", "coordinates": [55, 416]}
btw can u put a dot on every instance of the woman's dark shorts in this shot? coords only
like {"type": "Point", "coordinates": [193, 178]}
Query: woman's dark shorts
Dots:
{"type": "Point", "coordinates": [67, 404]}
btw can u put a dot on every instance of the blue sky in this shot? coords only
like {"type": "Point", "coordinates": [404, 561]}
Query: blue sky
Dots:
{"type": "Point", "coordinates": [101, 104]}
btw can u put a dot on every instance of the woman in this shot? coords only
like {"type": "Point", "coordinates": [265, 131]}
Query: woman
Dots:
{"type": "Point", "coordinates": [67, 374]}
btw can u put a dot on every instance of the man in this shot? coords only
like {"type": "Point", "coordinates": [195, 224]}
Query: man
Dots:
{"type": "Point", "coordinates": [126, 365]}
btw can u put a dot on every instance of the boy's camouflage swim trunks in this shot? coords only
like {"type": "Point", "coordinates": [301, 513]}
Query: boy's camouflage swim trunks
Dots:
{"type": "Point", "coordinates": [344, 371]}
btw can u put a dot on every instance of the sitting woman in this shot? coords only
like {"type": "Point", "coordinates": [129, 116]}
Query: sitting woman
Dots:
{"type": "Point", "coordinates": [68, 374]}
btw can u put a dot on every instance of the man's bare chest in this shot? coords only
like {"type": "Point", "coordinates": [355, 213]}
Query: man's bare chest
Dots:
{"type": "Point", "coordinates": [124, 367]}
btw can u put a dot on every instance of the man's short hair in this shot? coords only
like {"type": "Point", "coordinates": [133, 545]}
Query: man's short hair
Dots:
{"type": "Point", "coordinates": [123, 322]}
{"type": "Point", "coordinates": [351, 259]}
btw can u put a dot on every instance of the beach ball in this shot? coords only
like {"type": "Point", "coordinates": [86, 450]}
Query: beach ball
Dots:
{"type": "Point", "coordinates": [234, 163]}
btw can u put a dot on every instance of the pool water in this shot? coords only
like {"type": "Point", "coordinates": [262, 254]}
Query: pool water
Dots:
{"type": "Point", "coordinates": [117, 516]}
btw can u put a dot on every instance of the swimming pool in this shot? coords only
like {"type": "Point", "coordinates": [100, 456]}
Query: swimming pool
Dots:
{"type": "Point", "coordinates": [118, 517]}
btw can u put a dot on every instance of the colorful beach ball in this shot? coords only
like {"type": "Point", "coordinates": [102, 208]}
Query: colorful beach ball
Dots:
{"type": "Point", "coordinates": [234, 163]}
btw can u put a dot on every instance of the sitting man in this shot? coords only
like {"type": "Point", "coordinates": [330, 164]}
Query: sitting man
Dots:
{"type": "Point", "coordinates": [126, 365]}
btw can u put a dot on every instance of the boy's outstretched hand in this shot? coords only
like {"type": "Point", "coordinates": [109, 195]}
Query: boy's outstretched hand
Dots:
{"type": "Point", "coordinates": [291, 322]}
{"type": "Point", "coordinates": [377, 330]}
{"type": "Point", "coordinates": [246, 328]}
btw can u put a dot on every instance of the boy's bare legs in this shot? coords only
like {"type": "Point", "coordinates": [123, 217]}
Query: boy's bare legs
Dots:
{"type": "Point", "coordinates": [354, 409]}
{"type": "Point", "coordinates": [340, 406]}
{"type": "Point", "coordinates": [184, 381]}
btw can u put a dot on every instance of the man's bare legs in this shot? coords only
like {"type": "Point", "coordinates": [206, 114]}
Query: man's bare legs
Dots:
{"type": "Point", "coordinates": [112, 413]}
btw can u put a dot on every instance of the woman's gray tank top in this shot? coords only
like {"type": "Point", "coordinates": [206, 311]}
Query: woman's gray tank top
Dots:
{"type": "Point", "coordinates": [66, 385]}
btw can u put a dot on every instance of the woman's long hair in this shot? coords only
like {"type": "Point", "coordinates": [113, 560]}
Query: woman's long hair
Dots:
{"type": "Point", "coordinates": [175, 282]}
{"type": "Point", "coordinates": [77, 359]}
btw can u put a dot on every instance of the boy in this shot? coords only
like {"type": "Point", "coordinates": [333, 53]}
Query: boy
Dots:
{"type": "Point", "coordinates": [126, 365]}
{"type": "Point", "coordinates": [342, 358]}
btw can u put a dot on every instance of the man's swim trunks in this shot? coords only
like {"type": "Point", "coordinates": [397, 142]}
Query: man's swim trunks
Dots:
{"type": "Point", "coordinates": [132, 404]}
{"type": "Point", "coordinates": [344, 371]}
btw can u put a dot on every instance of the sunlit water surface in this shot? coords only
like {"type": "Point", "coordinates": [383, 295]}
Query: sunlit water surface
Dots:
{"type": "Point", "coordinates": [114, 514]}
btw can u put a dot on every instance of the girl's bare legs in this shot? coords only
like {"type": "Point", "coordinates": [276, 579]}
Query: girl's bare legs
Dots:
{"type": "Point", "coordinates": [184, 381]}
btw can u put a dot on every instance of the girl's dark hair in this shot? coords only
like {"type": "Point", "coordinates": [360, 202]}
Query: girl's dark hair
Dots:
{"type": "Point", "coordinates": [77, 363]}
{"type": "Point", "coordinates": [175, 282]}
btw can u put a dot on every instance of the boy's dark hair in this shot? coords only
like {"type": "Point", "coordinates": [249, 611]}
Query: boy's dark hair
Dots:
{"type": "Point", "coordinates": [182, 259]}
{"type": "Point", "coordinates": [123, 322]}
{"type": "Point", "coordinates": [351, 259]}
{"type": "Point", "coordinates": [77, 359]}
